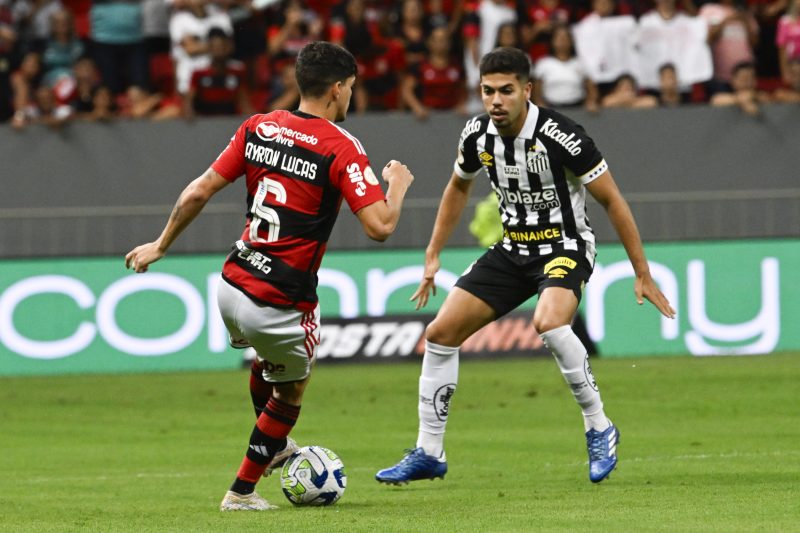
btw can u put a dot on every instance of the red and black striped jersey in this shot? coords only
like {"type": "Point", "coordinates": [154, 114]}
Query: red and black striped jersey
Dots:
{"type": "Point", "coordinates": [216, 92]}
{"type": "Point", "coordinates": [298, 168]}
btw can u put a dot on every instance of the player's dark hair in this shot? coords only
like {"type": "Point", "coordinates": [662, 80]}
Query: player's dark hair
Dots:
{"type": "Point", "coordinates": [321, 64]}
{"type": "Point", "coordinates": [506, 60]}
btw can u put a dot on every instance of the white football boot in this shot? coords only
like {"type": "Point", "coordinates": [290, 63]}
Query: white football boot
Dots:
{"type": "Point", "coordinates": [234, 501]}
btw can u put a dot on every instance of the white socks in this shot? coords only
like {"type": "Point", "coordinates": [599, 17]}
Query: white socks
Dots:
{"type": "Point", "coordinates": [573, 361]}
{"type": "Point", "coordinates": [437, 384]}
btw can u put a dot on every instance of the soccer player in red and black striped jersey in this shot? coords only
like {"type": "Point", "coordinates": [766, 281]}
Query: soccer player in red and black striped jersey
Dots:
{"type": "Point", "coordinates": [298, 166]}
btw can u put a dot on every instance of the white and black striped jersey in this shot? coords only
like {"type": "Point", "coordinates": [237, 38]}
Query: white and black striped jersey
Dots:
{"type": "Point", "coordinates": [538, 178]}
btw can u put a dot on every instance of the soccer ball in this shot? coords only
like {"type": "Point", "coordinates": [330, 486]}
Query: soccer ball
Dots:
{"type": "Point", "coordinates": [313, 475]}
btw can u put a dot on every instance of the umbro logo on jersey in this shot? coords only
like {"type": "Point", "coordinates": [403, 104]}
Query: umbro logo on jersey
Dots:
{"type": "Point", "coordinates": [550, 128]}
{"type": "Point", "coordinates": [486, 159]}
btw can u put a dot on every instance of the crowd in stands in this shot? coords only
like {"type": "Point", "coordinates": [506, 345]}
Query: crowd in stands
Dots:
{"type": "Point", "coordinates": [98, 60]}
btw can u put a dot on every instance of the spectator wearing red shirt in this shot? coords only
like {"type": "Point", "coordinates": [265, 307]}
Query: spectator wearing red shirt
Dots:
{"type": "Point", "coordinates": [436, 82]}
{"type": "Point", "coordinates": [220, 88]}
{"type": "Point", "coordinates": [380, 60]}
{"type": "Point", "coordinates": [540, 19]}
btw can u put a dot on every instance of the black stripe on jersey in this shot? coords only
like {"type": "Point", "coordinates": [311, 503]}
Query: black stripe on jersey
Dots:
{"type": "Point", "coordinates": [567, 213]}
{"type": "Point", "coordinates": [508, 151]}
{"type": "Point", "coordinates": [296, 284]}
{"type": "Point", "coordinates": [297, 224]}
{"type": "Point", "coordinates": [293, 162]}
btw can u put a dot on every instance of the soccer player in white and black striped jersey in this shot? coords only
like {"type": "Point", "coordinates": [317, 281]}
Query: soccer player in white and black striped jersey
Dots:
{"type": "Point", "coordinates": [540, 165]}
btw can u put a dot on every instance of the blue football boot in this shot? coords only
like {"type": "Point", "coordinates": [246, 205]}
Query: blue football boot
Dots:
{"type": "Point", "coordinates": [415, 465]}
{"type": "Point", "coordinates": [602, 446]}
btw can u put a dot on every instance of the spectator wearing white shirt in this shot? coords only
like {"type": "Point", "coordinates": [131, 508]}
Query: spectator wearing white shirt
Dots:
{"type": "Point", "coordinates": [188, 30]}
{"type": "Point", "coordinates": [605, 44]}
{"type": "Point", "coordinates": [560, 80]}
{"type": "Point", "coordinates": [666, 35]}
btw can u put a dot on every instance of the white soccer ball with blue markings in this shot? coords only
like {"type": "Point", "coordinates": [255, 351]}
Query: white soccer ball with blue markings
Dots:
{"type": "Point", "coordinates": [313, 475]}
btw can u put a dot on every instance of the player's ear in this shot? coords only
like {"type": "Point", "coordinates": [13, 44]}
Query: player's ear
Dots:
{"type": "Point", "coordinates": [336, 90]}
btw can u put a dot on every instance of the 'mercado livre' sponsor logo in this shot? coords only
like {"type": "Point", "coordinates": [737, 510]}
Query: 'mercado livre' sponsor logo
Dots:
{"type": "Point", "coordinates": [271, 132]}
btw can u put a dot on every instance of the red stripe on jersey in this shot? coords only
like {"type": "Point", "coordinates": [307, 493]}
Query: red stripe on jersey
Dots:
{"type": "Point", "coordinates": [261, 290]}
{"type": "Point", "coordinates": [296, 252]}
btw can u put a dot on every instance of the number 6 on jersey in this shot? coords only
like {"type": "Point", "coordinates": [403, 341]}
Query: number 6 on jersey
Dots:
{"type": "Point", "coordinates": [262, 212]}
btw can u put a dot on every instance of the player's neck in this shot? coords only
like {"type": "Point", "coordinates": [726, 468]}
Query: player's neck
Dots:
{"type": "Point", "coordinates": [318, 108]}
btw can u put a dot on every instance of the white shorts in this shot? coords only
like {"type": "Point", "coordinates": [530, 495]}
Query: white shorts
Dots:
{"type": "Point", "coordinates": [286, 340]}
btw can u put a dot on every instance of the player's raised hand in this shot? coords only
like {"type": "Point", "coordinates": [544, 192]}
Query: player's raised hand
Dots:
{"type": "Point", "coordinates": [427, 285]}
{"type": "Point", "coordinates": [645, 287]}
{"type": "Point", "coordinates": [141, 257]}
{"type": "Point", "coordinates": [396, 173]}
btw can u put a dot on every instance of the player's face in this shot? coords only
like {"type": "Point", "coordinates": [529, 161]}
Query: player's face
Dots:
{"type": "Point", "coordinates": [505, 98]}
{"type": "Point", "coordinates": [345, 94]}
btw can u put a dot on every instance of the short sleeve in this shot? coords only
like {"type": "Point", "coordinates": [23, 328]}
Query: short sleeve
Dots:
{"type": "Point", "coordinates": [231, 163]}
{"type": "Point", "coordinates": [352, 175]}
{"type": "Point", "coordinates": [580, 155]}
{"type": "Point", "coordinates": [468, 164]}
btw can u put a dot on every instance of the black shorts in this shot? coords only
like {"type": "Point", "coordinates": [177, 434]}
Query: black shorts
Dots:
{"type": "Point", "coordinates": [505, 284]}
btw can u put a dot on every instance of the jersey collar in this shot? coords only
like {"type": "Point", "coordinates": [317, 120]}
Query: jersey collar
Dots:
{"type": "Point", "coordinates": [528, 129]}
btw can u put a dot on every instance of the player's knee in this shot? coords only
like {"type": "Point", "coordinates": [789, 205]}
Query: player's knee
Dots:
{"type": "Point", "coordinates": [544, 324]}
{"type": "Point", "coordinates": [291, 393]}
{"type": "Point", "coordinates": [438, 335]}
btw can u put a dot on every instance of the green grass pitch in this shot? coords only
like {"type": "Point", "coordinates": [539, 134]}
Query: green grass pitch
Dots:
{"type": "Point", "coordinates": [708, 444]}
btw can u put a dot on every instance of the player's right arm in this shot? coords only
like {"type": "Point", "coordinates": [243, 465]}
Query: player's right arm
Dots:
{"type": "Point", "coordinates": [190, 202]}
{"type": "Point", "coordinates": [452, 205]}
{"type": "Point", "coordinates": [454, 199]}
{"type": "Point", "coordinates": [379, 219]}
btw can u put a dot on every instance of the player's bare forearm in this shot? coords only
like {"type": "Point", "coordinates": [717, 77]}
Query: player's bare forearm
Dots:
{"type": "Point", "coordinates": [395, 195]}
{"type": "Point", "coordinates": [380, 219]}
{"type": "Point", "coordinates": [605, 191]}
{"type": "Point", "coordinates": [454, 199]}
{"type": "Point", "coordinates": [619, 213]}
{"type": "Point", "coordinates": [190, 202]}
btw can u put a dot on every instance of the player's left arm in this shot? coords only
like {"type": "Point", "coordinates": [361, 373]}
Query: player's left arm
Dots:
{"type": "Point", "coordinates": [190, 202]}
{"type": "Point", "coordinates": [604, 190]}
